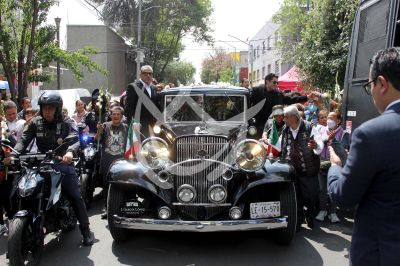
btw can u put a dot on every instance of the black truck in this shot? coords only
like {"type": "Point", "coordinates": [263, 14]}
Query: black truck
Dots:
{"type": "Point", "coordinates": [376, 26]}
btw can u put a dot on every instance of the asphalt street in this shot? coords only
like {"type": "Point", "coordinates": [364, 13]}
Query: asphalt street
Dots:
{"type": "Point", "coordinates": [326, 244]}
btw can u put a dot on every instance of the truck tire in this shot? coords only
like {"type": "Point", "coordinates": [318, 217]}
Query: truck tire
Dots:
{"type": "Point", "coordinates": [115, 199]}
{"type": "Point", "coordinates": [21, 246]}
{"type": "Point", "coordinates": [288, 208]}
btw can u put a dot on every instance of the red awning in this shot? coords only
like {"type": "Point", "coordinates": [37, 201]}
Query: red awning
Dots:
{"type": "Point", "coordinates": [290, 80]}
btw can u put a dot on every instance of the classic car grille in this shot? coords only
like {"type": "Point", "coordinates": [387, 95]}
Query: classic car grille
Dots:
{"type": "Point", "coordinates": [194, 147]}
{"type": "Point", "coordinates": [201, 174]}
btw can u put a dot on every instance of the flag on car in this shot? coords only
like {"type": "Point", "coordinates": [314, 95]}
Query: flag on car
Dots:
{"type": "Point", "coordinates": [273, 140]}
{"type": "Point", "coordinates": [132, 143]}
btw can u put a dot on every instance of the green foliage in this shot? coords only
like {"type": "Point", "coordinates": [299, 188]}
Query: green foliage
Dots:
{"type": "Point", "coordinates": [164, 23]}
{"type": "Point", "coordinates": [317, 41]}
{"type": "Point", "coordinates": [179, 72]}
{"type": "Point", "coordinates": [217, 68]}
{"type": "Point", "coordinates": [27, 42]}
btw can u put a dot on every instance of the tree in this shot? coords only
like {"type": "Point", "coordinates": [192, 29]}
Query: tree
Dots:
{"type": "Point", "coordinates": [164, 24]}
{"type": "Point", "coordinates": [26, 42]}
{"type": "Point", "coordinates": [317, 40]}
{"type": "Point", "coordinates": [217, 68]}
{"type": "Point", "coordinates": [179, 72]}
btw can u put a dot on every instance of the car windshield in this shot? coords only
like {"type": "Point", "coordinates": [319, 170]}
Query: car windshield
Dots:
{"type": "Point", "coordinates": [185, 108]}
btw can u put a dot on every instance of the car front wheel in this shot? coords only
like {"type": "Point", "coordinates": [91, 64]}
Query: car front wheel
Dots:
{"type": "Point", "coordinates": [288, 208]}
{"type": "Point", "coordinates": [114, 202]}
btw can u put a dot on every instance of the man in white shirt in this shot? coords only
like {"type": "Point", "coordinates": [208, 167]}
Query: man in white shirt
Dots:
{"type": "Point", "coordinates": [13, 126]}
{"type": "Point", "coordinates": [301, 143]}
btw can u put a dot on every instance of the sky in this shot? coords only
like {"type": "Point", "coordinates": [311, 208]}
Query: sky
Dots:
{"type": "Point", "coordinates": [239, 18]}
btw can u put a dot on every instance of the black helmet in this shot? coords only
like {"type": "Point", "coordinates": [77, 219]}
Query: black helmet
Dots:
{"type": "Point", "coordinates": [51, 98]}
{"type": "Point", "coordinates": [95, 94]}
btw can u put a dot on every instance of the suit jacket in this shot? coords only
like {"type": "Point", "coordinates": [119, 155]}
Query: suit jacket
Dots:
{"type": "Point", "coordinates": [272, 98]}
{"type": "Point", "coordinates": [146, 115]}
{"type": "Point", "coordinates": [371, 179]}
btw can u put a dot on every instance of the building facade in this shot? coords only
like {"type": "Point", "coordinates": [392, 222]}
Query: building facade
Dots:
{"type": "Point", "coordinates": [114, 55]}
{"type": "Point", "coordinates": [264, 55]}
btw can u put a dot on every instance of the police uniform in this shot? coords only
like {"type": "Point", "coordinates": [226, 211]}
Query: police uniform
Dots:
{"type": "Point", "coordinates": [49, 135]}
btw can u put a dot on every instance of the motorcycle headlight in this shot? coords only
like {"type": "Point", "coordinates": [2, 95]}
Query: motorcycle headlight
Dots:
{"type": "Point", "coordinates": [154, 153]}
{"type": "Point", "coordinates": [27, 185]}
{"type": "Point", "coordinates": [89, 153]}
{"type": "Point", "coordinates": [250, 155]}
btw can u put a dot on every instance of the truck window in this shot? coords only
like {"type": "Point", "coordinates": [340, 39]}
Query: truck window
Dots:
{"type": "Point", "coordinates": [397, 31]}
{"type": "Point", "coordinates": [373, 28]}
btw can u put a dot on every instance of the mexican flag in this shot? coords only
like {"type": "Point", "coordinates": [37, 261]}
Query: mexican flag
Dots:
{"type": "Point", "coordinates": [132, 143]}
{"type": "Point", "coordinates": [273, 140]}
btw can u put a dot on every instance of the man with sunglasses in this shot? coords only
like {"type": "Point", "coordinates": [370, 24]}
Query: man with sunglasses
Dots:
{"type": "Point", "coordinates": [371, 176]}
{"type": "Point", "coordinates": [272, 96]}
{"type": "Point", "coordinates": [145, 117]}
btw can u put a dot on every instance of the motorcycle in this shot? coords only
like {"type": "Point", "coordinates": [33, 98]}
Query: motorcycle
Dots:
{"type": "Point", "coordinates": [88, 166]}
{"type": "Point", "coordinates": [39, 206]}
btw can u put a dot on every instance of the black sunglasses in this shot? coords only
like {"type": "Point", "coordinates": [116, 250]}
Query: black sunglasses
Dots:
{"type": "Point", "coordinates": [147, 73]}
{"type": "Point", "coordinates": [367, 86]}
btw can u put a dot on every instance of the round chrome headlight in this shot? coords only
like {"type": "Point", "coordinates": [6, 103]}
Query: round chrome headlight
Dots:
{"type": "Point", "coordinates": [154, 153]}
{"type": "Point", "coordinates": [186, 193]}
{"type": "Point", "coordinates": [250, 155]}
{"type": "Point", "coordinates": [217, 193]}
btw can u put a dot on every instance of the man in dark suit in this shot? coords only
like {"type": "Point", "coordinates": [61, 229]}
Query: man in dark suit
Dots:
{"type": "Point", "coordinates": [272, 96]}
{"type": "Point", "coordinates": [371, 176]}
{"type": "Point", "coordinates": [141, 91]}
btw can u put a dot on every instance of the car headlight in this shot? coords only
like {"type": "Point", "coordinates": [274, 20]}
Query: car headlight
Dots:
{"type": "Point", "coordinates": [27, 185]}
{"type": "Point", "coordinates": [250, 155]}
{"type": "Point", "coordinates": [154, 153]}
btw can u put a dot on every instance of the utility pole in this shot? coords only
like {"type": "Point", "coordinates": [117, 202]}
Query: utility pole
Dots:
{"type": "Point", "coordinates": [250, 57]}
{"type": "Point", "coordinates": [139, 55]}
{"type": "Point", "coordinates": [58, 21]}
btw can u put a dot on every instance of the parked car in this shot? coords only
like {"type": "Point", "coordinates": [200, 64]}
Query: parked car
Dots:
{"type": "Point", "coordinates": [69, 96]}
{"type": "Point", "coordinates": [201, 173]}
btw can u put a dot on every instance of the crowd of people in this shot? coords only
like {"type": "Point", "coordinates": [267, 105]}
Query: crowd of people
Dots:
{"type": "Point", "coordinates": [306, 130]}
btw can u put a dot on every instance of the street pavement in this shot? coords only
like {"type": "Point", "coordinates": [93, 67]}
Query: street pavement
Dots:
{"type": "Point", "coordinates": [326, 244]}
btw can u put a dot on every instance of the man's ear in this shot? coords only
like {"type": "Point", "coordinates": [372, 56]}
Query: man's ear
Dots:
{"type": "Point", "coordinates": [385, 85]}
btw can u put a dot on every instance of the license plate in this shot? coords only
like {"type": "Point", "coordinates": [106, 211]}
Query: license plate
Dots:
{"type": "Point", "coordinates": [259, 210]}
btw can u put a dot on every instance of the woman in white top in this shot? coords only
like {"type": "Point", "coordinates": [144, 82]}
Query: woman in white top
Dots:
{"type": "Point", "coordinates": [80, 111]}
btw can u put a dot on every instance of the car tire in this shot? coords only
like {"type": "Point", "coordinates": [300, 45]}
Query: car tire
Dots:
{"type": "Point", "coordinates": [114, 201]}
{"type": "Point", "coordinates": [288, 208]}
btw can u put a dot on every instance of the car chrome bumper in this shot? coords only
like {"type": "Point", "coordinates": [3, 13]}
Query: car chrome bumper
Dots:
{"type": "Point", "coordinates": [199, 226]}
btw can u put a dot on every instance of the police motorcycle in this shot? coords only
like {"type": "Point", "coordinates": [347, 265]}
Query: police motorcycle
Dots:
{"type": "Point", "coordinates": [39, 206]}
{"type": "Point", "coordinates": [88, 166]}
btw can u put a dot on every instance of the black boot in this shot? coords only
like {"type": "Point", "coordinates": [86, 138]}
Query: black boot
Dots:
{"type": "Point", "coordinates": [309, 219]}
{"type": "Point", "coordinates": [87, 236]}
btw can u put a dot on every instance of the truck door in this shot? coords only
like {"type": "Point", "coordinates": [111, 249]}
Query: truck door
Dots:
{"type": "Point", "coordinates": [374, 29]}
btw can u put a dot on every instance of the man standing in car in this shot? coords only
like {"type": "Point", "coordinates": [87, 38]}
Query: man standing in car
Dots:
{"type": "Point", "coordinates": [272, 96]}
{"type": "Point", "coordinates": [146, 114]}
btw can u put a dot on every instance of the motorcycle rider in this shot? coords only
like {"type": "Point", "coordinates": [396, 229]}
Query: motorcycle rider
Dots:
{"type": "Point", "coordinates": [49, 129]}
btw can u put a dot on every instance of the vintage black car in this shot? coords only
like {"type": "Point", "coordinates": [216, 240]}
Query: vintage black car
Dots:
{"type": "Point", "coordinates": [202, 171]}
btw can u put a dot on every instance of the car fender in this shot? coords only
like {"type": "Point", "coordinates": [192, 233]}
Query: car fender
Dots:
{"type": "Point", "coordinates": [134, 174]}
{"type": "Point", "coordinates": [273, 172]}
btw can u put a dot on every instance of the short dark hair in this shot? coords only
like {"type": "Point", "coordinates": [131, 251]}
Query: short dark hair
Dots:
{"type": "Point", "coordinates": [270, 76]}
{"type": "Point", "coordinates": [386, 62]}
{"type": "Point", "coordinates": [24, 99]}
